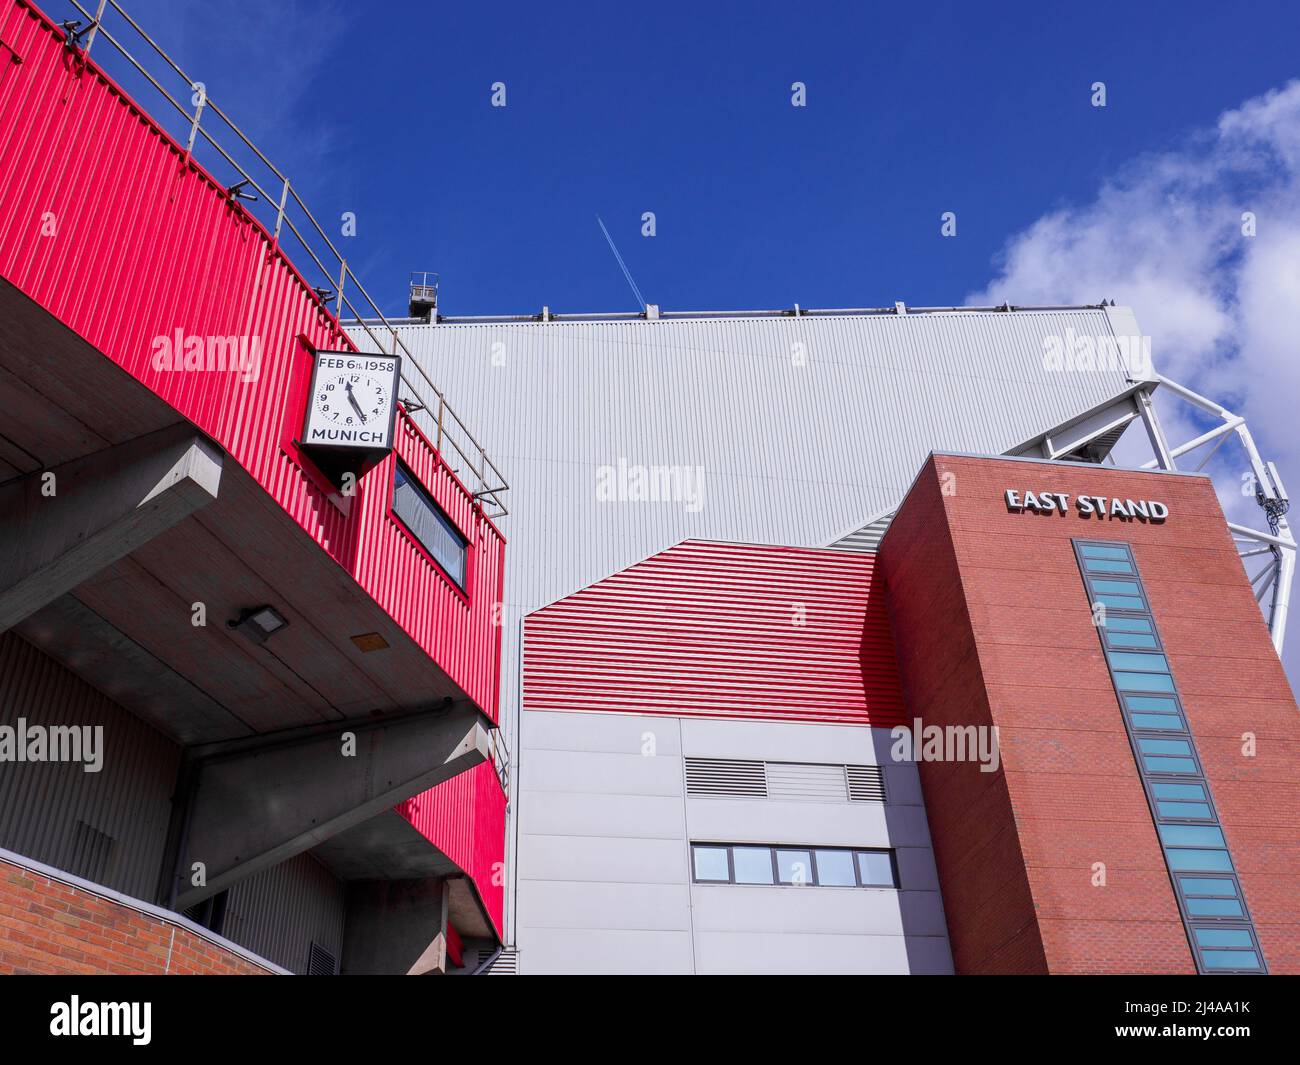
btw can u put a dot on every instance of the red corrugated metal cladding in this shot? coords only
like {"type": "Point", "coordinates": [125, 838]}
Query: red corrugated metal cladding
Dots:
{"type": "Point", "coordinates": [147, 244]}
{"type": "Point", "coordinates": [724, 630]}
{"type": "Point", "coordinates": [466, 819]}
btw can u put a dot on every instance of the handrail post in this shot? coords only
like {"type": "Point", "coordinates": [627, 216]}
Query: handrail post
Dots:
{"type": "Point", "coordinates": [343, 273]}
{"type": "Point", "coordinates": [198, 111]}
{"type": "Point", "coordinates": [279, 217]}
{"type": "Point", "coordinates": [442, 402]}
{"type": "Point", "coordinates": [94, 26]}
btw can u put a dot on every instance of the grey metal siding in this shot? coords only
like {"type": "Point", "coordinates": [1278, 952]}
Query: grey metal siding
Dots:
{"type": "Point", "coordinates": [281, 912]}
{"type": "Point", "coordinates": [605, 883]}
{"type": "Point", "coordinates": [59, 814]}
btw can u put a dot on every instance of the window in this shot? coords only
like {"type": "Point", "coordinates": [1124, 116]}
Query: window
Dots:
{"type": "Point", "coordinates": [743, 863]}
{"type": "Point", "coordinates": [428, 524]}
{"type": "Point", "coordinates": [753, 865]}
{"type": "Point", "coordinates": [1214, 912]}
{"type": "Point", "coordinates": [711, 863]}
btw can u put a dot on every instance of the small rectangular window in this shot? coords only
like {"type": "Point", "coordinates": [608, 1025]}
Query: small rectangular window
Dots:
{"type": "Point", "coordinates": [1187, 861]}
{"type": "Point", "coordinates": [1192, 836]}
{"type": "Point", "coordinates": [1144, 682]}
{"type": "Point", "coordinates": [1103, 551]}
{"type": "Point", "coordinates": [1138, 640]}
{"type": "Point", "coordinates": [1230, 959]}
{"type": "Point", "coordinates": [428, 524]}
{"type": "Point", "coordinates": [1208, 885]}
{"type": "Point", "coordinates": [794, 867]}
{"type": "Point", "coordinates": [1215, 908]}
{"type": "Point", "coordinates": [753, 864]}
{"type": "Point", "coordinates": [1158, 722]}
{"type": "Point", "coordinates": [835, 869]}
{"type": "Point", "coordinates": [1150, 663]}
{"type": "Point", "coordinates": [876, 868]}
{"type": "Point", "coordinates": [1186, 792]}
{"type": "Point", "coordinates": [1192, 811]}
{"type": "Point", "coordinates": [1107, 565]}
{"type": "Point", "coordinates": [1224, 937]}
{"type": "Point", "coordinates": [711, 863]}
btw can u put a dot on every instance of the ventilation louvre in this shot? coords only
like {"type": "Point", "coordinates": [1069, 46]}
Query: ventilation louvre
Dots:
{"type": "Point", "coordinates": [800, 781]}
{"type": "Point", "coordinates": [320, 962]}
{"type": "Point", "coordinates": [866, 783]}
{"type": "Point", "coordinates": [725, 776]}
{"type": "Point", "coordinates": [507, 963]}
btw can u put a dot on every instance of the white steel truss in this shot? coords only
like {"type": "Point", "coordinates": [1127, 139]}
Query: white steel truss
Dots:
{"type": "Point", "coordinates": [1269, 557]}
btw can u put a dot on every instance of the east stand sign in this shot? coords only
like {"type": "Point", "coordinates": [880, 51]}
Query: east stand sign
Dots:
{"type": "Point", "coordinates": [1100, 507]}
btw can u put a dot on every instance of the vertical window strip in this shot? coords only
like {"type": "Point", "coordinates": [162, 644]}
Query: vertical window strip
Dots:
{"type": "Point", "coordinates": [1218, 923]}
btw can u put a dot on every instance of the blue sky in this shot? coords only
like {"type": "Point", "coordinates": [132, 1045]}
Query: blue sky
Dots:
{"type": "Point", "coordinates": [684, 110]}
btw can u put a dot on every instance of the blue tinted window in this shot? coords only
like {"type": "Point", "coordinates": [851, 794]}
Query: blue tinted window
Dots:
{"type": "Point", "coordinates": [1107, 565]}
{"type": "Point", "coordinates": [1132, 639]}
{"type": "Point", "coordinates": [1163, 722]}
{"type": "Point", "coordinates": [1102, 551]}
{"type": "Point", "coordinates": [1215, 908]}
{"type": "Point", "coordinates": [1207, 885]}
{"type": "Point", "coordinates": [1230, 959]}
{"type": "Point", "coordinates": [429, 525]}
{"type": "Point", "coordinates": [1169, 765]}
{"type": "Point", "coordinates": [1121, 602]}
{"type": "Point", "coordinates": [1197, 810]}
{"type": "Point", "coordinates": [1158, 703]}
{"type": "Point", "coordinates": [1171, 747]}
{"type": "Point", "coordinates": [1192, 836]}
{"type": "Point", "coordinates": [1209, 861]}
{"type": "Point", "coordinates": [1137, 660]}
{"type": "Point", "coordinates": [1224, 937]}
{"type": "Point", "coordinates": [1144, 682]}
{"type": "Point", "coordinates": [1178, 791]}
{"type": "Point", "coordinates": [1123, 624]}
{"type": "Point", "coordinates": [1116, 587]}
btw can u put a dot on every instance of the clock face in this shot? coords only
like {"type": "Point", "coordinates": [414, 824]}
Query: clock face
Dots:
{"type": "Point", "coordinates": [352, 401]}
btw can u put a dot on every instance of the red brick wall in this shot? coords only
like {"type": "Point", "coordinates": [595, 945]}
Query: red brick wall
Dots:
{"type": "Point", "coordinates": [1007, 639]}
{"type": "Point", "coordinates": [47, 926]}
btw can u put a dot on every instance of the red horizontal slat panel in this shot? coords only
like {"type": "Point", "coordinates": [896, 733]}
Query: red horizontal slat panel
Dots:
{"type": "Point", "coordinates": [727, 630]}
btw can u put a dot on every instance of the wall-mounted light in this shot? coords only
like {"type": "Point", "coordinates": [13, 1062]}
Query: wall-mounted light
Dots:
{"type": "Point", "coordinates": [259, 623]}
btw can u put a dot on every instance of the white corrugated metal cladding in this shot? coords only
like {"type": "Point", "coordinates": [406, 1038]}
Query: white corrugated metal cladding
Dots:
{"type": "Point", "coordinates": [802, 428]}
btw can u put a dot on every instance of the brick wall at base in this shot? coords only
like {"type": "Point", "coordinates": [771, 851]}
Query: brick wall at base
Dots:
{"type": "Point", "coordinates": [49, 927]}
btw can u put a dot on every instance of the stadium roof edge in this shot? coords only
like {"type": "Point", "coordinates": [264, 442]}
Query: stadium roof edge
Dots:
{"type": "Point", "coordinates": [899, 310]}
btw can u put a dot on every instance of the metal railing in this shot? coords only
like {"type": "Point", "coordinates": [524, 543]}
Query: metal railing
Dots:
{"type": "Point", "coordinates": [270, 198]}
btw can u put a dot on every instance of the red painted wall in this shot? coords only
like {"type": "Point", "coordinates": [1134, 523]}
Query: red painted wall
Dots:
{"type": "Point", "coordinates": [465, 817]}
{"type": "Point", "coordinates": [713, 629]}
{"type": "Point", "coordinates": [993, 626]}
{"type": "Point", "coordinates": [146, 243]}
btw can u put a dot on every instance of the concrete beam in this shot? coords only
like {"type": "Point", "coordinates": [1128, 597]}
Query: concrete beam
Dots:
{"type": "Point", "coordinates": [60, 527]}
{"type": "Point", "coordinates": [395, 928]}
{"type": "Point", "coordinates": [247, 805]}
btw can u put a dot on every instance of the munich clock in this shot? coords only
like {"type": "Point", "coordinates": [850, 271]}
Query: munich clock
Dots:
{"type": "Point", "coordinates": [353, 401]}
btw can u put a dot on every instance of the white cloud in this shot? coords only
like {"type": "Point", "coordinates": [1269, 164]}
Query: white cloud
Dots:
{"type": "Point", "coordinates": [1164, 236]}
